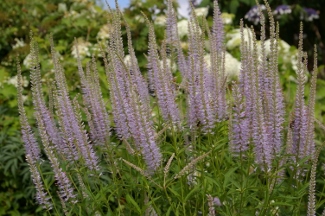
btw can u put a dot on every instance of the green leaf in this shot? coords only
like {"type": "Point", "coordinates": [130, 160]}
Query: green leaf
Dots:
{"type": "Point", "coordinates": [233, 6]}
{"type": "Point", "coordinates": [51, 17]}
{"type": "Point", "coordinates": [228, 177]}
{"type": "Point", "coordinates": [320, 85]}
{"type": "Point", "coordinates": [168, 211]}
{"type": "Point", "coordinates": [174, 192]}
{"type": "Point", "coordinates": [3, 75]}
{"type": "Point", "coordinates": [80, 22]}
{"type": "Point", "coordinates": [8, 90]}
{"type": "Point", "coordinates": [248, 2]}
{"type": "Point", "coordinates": [130, 199]}
{"type": "Point", "coordinates": [195, 189]}
{"type": "Point", "coordinates": [281, 204]}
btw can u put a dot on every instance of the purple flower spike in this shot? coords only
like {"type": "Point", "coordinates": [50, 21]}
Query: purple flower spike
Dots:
{"type": "Point", "coordinates": [239, 135]}
{"type": "Point", "coordinates": [309, 14]}
{"type": "Point", "coordinates": [253, 14]}
{"type": "Point", "coordinates": [282, 9]}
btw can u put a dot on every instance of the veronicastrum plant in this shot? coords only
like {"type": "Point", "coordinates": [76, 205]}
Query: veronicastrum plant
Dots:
{"type": "Point", "coordinates": [173, 143]}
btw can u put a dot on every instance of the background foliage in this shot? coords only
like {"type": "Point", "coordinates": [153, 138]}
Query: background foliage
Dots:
{"type": "Point", "coordinates": [289, 24]}
{"type": "Point", "coordinates": [66, 20]}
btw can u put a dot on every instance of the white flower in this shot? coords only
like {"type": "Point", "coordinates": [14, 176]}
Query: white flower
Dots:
{"type": "Point", "coordinates": [28, 61]}
{"type": "Point", "coordinates": [160, 20]}
{"type": "Point", "coordinates": [287, 55]}
{"type": "Point", "coordinates": [139, 18]}
{"type": "Point", "coordinates": [72, 14]}
{"type": "Point", "coordinates": [62, 7]}
{"type": "Point", "coordinates": [202, 11]}
{"type": "Point", "coordinates": [19, 43]}
{"type": "Point", "coordinates": [24, 97]}
{"type": "Point", "coordinates": [207, 59]}
{"type": "Point", "coordinates": [104, 32]}
{"type": "Point", "coordinates": [197, 173]}
{"type": "Point", "coordinates": [83, 48]}
{"type": "Point", "coordinates": [182, 27]}
{"type": "Point", "coordinates": [283, 47]}
{"type": "Point", "coordinates": [235, 38]}
{"type": "Point", "coordinates": [294, 62]}
{"type": "Point", "coordinates": [227, 18]}
{"type": "Point", "coordinates": [94, 50]}
{"type": "Point", "coordinates": [92, 10]}
{"type": "Point", "coordinates": [232, 65]}
{"type": "Point", "coordinates": [127, 60]}
{"type": "Point", "coordinates": [13, 81]}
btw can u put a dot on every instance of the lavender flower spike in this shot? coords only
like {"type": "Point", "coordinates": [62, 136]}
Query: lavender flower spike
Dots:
{"type": "Point", "coordinates": [131, 110]}
{"type": "Point", "coordinates": [42, 196]}
{"type": "Point", "coordinates": [31, 145]}
{"type": "Point", "coordinates": [39, 103]}
{"type": "Point", "coordinates": [171, 24]}
{"type": "Point", "coordinates": [66, 190]}
{"type": "Point", "coordinates": [70, 121]}
{"type": "Point", "coordinates": [217, 29]}
{"type": "Point", "coordinates": [93, 101]}
{"type": "Point", "coordinates": [162, 79]}
{"type": "Point", "coordinates": [239, 134]}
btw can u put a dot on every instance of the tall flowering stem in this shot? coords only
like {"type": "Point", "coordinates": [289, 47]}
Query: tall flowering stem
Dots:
{"type": "Point", "coordinates": [93, 100]}
{"type": "Point", "coordinates": [263, 99]}
{"type": "Point", "coordinates": [171, 24]}
{"type": "Point", "coordinates": [303, 127]}
{"type": "Point", "coordinates": [41, 110]}
{"type": "Point", "coordinates": [31, 146]}
{"type": "Point", "coordinates": [162, 80]}
{"type": "Point", "coordinates": [131, 109]}
{"type": "Point", "coordinates": [66, 189]}
{"type": "Point", "coordinates": [239, 124]}
{"type": "Point", "coordinates": [200, 96]}
{"type": "Point", "coordinates": [73, 132]}
{"type": "Point", "coordinates": [217, 54]}
{"type": "Point", "coordinates": [274, 101]}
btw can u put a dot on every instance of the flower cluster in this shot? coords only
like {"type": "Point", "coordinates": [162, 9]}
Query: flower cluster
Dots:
{"type": "Point", "coordinates": [253, 15]}
{"type": "Point", "coordinates": [227, 18]}
{"type": "Point", "coordinates": [258, 114]}
{"type": "Point", "coordinates": [82, 46]}
{"type": "Point", "coordinates": [202, 11]}
{"type": "Point", "coordinates": [104, 32]}
{"type": "Point", "coordinates": [309, 14]}
{"type": "Point", "coordinates": [130, 97]}
{"type": "Point", "coordinates": [282, 9]}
